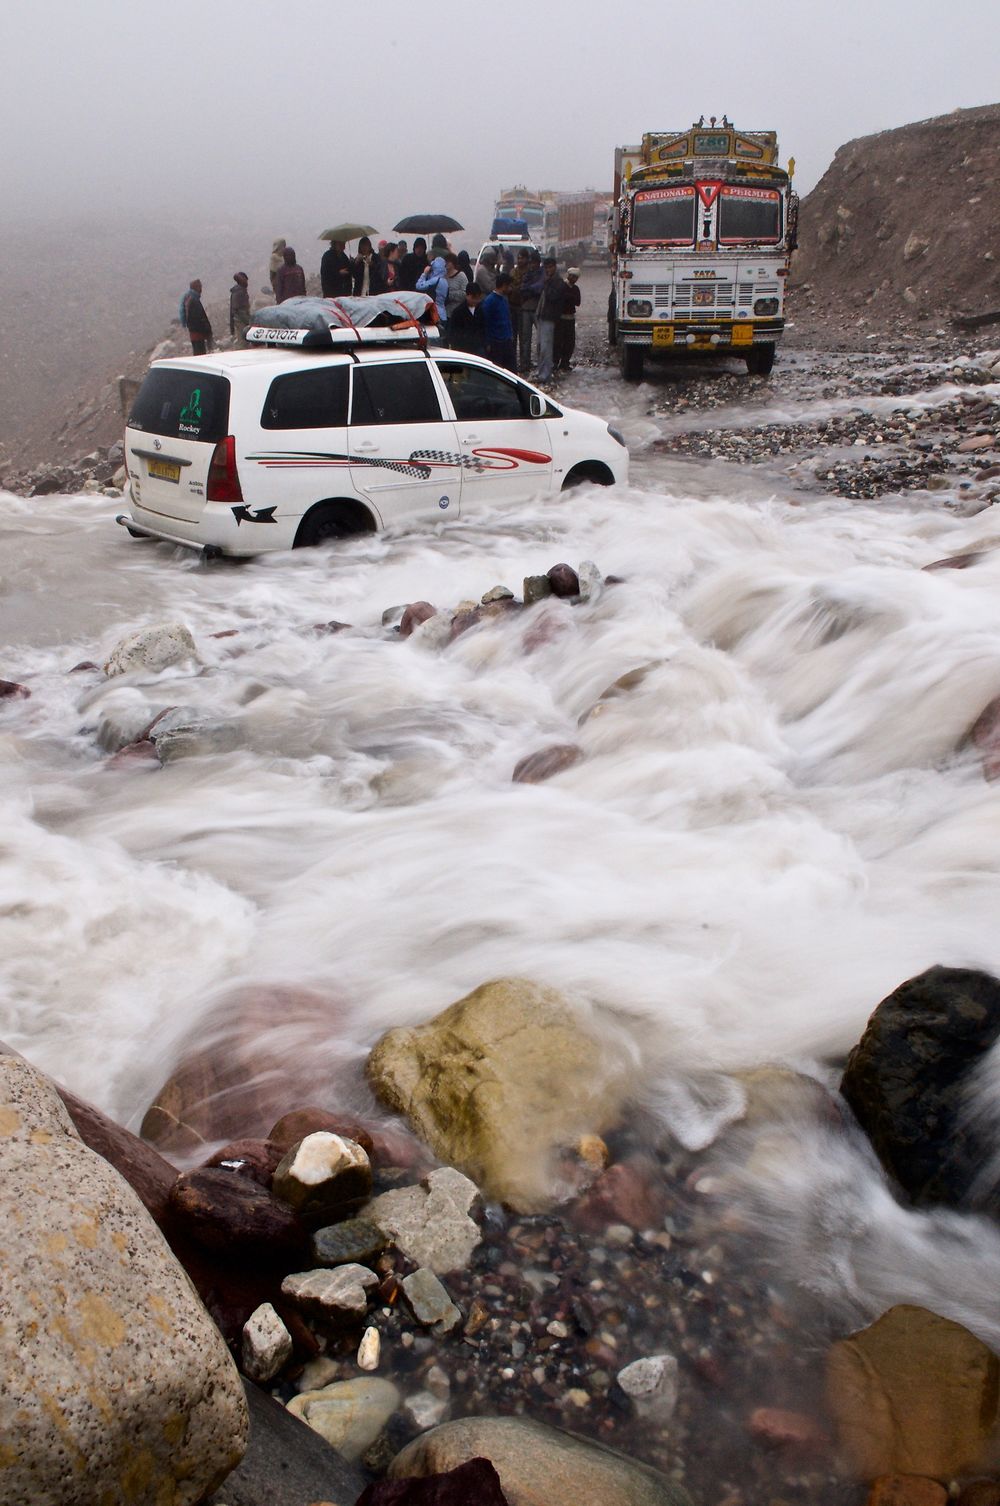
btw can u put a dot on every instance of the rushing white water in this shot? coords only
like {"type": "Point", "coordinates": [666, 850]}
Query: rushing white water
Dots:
{"type": "Point", "coordinates": [768, 832]}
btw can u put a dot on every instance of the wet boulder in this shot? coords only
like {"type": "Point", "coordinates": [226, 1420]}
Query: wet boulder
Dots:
{"type": "Point", "coordinates": [907, 1079]}
{"type": "Point", "coordinates": [115, 1377]}
{"type": "Point", "coordinates": [535, 768]}
{"type": "Point", "coordinates": [222, 1210]}
{"type": "Point", "coordinates": [538, 1465]}
{"type": "Point", "coordinates": [475, 1480]}
{"type": "Point", "coordinates": [913, 1393]}
{"type": "Point", "coordinates": [260, 1054]}
{"type": "Point", "coordinates": [500, 1082]}
{"type": "Point", "coordinates": [151, 650]}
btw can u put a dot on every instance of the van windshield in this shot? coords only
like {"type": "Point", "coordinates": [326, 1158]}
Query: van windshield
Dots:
{"type": "Point", "coordinates": [182, 405]}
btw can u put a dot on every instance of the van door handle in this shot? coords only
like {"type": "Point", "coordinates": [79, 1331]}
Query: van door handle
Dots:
{"type": "Point", "coordinates": [368, 448]}
{"type": "Point", "coordinates": [472, 439]}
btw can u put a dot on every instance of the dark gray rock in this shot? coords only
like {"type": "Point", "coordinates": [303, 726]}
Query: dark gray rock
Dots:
{"type": "Point", "coordinates": [286, 1463]}
{"type": "Point", "coordinates": [353, 1241]}
{"type": "Point", "coordinates": [906, 1082]}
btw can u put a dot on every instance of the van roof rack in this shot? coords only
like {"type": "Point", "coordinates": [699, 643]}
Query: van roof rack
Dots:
{"type": "Point", "coordinates": [401, 318]}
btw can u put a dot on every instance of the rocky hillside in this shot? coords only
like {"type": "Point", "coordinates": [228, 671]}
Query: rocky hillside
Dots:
{"type": "Point", "coordinates": [901, 229]}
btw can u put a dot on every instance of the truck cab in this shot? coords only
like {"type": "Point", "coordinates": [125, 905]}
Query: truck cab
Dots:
{"type": "Point", "coordinates": [702, 235]}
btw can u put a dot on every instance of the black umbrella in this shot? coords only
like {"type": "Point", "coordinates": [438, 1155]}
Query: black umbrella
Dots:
{"type": "Point", "coordinates": [427, 224]}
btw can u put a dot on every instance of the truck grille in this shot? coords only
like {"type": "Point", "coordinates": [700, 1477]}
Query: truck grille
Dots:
{"type": "Point", "coordinates": [717, 295]}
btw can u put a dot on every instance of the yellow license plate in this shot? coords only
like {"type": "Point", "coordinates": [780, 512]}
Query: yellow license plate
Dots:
{"type": "Point", "coordinates": [164, 470]}
{"type": "Point", "coordinates": [742, 334]}
{"type": "Point", "coordinates": [663, 334]}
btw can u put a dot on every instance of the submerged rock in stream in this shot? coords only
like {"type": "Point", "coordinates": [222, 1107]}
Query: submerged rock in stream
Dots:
{"type": "Point", "coordinates": [908, 1080]}
{"type": "Point", "coordinates": [499, 1083]}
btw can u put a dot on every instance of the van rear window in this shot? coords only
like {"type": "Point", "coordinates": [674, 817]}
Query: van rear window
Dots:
{"type": "Point", "coordinates": [307, 400]}
{"type": "Point", "coordinates": [182, 405]}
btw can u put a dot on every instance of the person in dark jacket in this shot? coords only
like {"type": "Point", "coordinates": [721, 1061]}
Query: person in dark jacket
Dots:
{"type": "Point", "coordinates": [467, 327]}
{"type": "Point", "coordinates": [369, 274]}
{"type": "Point", "coordinates": [290, 281]}
{"type": "Point", "coordinates": [239, 307]}
{"type": "Point", "coordinates": [412, 266]}
{"type": "Point", "coordinates": [198, 326]}
{"type": "Point", "coordinates": [531, 291]}
{"type": "Point", "coordinates": [566, 328]}
{"type": "Point", "coordinates": [551, 303]}
{"type": "Point", "coordinates": [499, 332]}
{"type": "Point", "coordinates": [465, 265]}
{"type": "Point", "coordinates": [335, 272]}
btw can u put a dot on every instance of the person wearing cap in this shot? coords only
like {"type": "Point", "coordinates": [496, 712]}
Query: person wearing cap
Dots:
{"type": "Point", "coordinates": [239, 307]}
{"type": "Point", "coordinates": [566, 328]}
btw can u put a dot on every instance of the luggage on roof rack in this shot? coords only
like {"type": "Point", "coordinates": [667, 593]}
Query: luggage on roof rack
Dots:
{"type": "Point", "coordinates": [319, 323]}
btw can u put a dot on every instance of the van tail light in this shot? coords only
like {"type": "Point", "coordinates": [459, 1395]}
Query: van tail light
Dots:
{"type": "Point", "coordinates": [223, 478]}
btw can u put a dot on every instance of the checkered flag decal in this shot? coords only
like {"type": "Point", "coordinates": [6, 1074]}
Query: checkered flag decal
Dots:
{"type": "Point", "coordinates": [448, 457]}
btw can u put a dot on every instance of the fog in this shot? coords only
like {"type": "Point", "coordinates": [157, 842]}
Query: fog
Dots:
{"type": "Point", "coordinates": [297, 115]}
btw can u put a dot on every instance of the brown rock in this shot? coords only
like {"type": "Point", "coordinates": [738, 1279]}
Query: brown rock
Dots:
{"type": "Point", "coordinates": [133, 753]}
{"type": "Point", "coordinates": [223, 1210]}
{"type": "Point", "coordinates": [546, 762]}
{"type": "Point", "coordinates": [84, 664]}
{"type": "Point", "coordinates": [784, 1429]}
{"type": "Point", "coordinates": [906, 1490]}
{"type": "Point", "coordinates": [260, 1054]}
{"type": "Point", "coordinates": [329, 628]}
{"type": "Point", "coordinates": [145, 1170]}
{"type": "Point", "coordinates": [12, 688]}
{"type": "Point", "coordinates": [416, 613]}
{"type": "Point", "coordinates": [912, 1394]}
{"type": "Point", "coordinates": [976, 442]}
{"type": "Point", "coordinates": [462, 621]}
{"type": "Point", "coordinates": [475, 1483]}
{"type": "Point", "coordinates": [627, 1193]}
{"type": "Point", "coordinates": [959, 561]}
{"type": "Point", "coordinates": [293, 1127]}
{"type": "Point", "coordinates": [257, 1160]}
{"type": "Point", "coordinates": [564, 581]}
{"type": "Point", "coordinates": [980, 1493]}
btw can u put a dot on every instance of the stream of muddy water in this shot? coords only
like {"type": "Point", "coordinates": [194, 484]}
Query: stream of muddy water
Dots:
{"type": "Point", "coordinates": [771, 826]}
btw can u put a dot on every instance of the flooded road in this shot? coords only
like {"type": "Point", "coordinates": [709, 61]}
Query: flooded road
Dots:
{"type": "Point", "coordinates": [773, 823]}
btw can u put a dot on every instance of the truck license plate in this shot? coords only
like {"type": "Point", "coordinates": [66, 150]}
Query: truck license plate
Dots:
{"type": "Point", "coordinates": [663, 334]}
{"type": "Point", "coordinates": [164, 470]}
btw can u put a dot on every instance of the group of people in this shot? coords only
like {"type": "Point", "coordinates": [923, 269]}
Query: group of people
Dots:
{"type": "Point", "coordinates": [494, 310]}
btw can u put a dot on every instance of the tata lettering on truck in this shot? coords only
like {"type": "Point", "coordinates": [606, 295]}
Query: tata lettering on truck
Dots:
{"type": "Point", "coordinates": [703, 228]}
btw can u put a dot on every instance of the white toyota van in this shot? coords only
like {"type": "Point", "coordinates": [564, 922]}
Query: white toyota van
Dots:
{"type": "Point", "coordinates": [249, 451]}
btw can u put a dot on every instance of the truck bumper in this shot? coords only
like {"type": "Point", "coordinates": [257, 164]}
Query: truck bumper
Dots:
{"type": "Point", "coordinates": [705, 335]}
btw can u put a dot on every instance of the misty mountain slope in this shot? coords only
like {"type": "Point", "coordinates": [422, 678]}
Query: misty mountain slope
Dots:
{"type": "Point", "coordinates": [903, 223]}
{"type": "Point", "coordinates": [87, 304]}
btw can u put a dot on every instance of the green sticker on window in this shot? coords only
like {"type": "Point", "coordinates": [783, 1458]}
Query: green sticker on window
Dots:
{"type": "Point", "coordinates": [191, 411]}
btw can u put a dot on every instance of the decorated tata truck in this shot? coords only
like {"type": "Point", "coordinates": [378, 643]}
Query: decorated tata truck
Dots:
{"type": "Point", "coordinates": [703, 228]}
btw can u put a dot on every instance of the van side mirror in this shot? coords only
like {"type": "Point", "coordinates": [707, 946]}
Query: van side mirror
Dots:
{"type": "Point", "coordinates": [536, 405]}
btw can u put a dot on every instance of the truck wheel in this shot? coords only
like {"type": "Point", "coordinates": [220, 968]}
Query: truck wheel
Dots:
{"type": "Point", "coordinates": [760, 360]}
{"type": "Point", "coordinates": [633, 357]}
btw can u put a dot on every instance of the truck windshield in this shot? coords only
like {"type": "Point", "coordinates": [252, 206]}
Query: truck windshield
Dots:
{"type": "Point", "coordinates": [663, 216]}
{"type": "Point", "coordinates": [749, 214]}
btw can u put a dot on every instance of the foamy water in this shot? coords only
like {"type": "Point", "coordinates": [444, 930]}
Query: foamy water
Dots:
{"type": "Point", "coordinates": [766, 834]}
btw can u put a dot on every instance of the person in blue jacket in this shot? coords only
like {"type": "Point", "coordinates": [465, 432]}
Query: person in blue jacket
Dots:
{"type": "Point", "coordinates": [499, 330]}
{"type": "Point", "coordinates": [435, 282]}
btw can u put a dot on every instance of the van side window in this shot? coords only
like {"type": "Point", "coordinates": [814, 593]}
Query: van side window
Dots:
{"type": "Point", "coordinates": [398, 394]}
{"type": "Point", "coordinates": [476, 393]}
{"type": "Point", "coordinates": [307, 400]}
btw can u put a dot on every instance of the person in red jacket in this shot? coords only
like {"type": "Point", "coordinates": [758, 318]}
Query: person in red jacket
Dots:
{"type": "Point", "coordinates": [290, 280]}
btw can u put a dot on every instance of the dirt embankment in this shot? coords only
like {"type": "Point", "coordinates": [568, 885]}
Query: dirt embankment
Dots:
{"type": "Point", "coordinates": [900, 232]}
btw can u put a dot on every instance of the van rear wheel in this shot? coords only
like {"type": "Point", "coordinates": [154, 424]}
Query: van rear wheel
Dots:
{"type": "Point", "coordinates": [332, 520]}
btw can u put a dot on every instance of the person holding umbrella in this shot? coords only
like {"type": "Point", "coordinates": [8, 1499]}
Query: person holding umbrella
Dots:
{"type": "Point", "coordinates": [336, 272]}
{"type": "Point", "coordinates": [412, 265]}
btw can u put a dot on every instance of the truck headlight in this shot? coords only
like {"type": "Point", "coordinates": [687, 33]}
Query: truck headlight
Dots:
{"type": "Point", "coordinates": [639, 308]}
{"type": "Point", "coordinates": [766, 306]}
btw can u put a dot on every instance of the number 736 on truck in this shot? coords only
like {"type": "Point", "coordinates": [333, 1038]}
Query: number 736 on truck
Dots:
{"type": "Point", "coordinates": [703, 227]}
